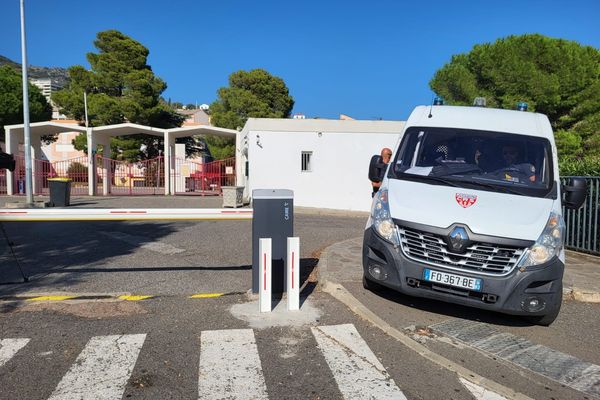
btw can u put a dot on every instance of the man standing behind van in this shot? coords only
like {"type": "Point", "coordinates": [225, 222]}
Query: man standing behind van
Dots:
{"type": "Point", "coordinates": [377, 168]}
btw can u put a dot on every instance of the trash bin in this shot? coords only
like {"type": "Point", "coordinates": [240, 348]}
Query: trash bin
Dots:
{"type": "Point", "coordinates": [60, 192]}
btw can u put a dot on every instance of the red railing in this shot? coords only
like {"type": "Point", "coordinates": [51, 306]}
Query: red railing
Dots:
{"type": "Point", "coordinates": [203, 179]}
{"type": "Point", "coordinates": [75, 169]}
{"type": "Point", "coordinates": [128, 179]}
{"type": "Point", "coordinates": [3, 182]}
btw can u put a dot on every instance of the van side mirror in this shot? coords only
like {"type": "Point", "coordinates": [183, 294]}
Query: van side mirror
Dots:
{"type": "Point", "coordinates": [376, 169]}
{"type": "Point", "coordinates": [574, 193]}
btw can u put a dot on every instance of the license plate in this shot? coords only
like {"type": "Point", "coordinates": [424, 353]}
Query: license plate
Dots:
{"type": "Point", "coordinates": [452, 280]}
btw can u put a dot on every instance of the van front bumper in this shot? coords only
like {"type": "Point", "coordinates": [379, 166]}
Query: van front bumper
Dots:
{"type": "Point", "coordinates": [536, 291]}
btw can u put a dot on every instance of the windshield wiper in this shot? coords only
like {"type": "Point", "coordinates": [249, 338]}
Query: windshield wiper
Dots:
{"type": "Point", "coordinates": [490, 186]}
{"type": "Point", "coordinates": [448, 182]}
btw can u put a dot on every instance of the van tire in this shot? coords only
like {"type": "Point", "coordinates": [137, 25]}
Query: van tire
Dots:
{"type": "Point", "coordinates": [548, 319]}
{"type": "Point", "coordinates": [370, 285]}
{"type": "Point", "coordinates": [544, 320]}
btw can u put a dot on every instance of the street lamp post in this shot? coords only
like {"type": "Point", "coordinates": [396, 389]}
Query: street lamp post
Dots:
{"type": "Point", "coordinates": [26, 133]}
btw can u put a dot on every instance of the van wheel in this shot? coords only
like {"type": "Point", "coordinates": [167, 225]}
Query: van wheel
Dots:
{"type": "Point", "coordinates": [370, 285]}
{"type": "Point", "coordinates": [544, 320]}
{"type": "Point", "coordinates": [548, 319]}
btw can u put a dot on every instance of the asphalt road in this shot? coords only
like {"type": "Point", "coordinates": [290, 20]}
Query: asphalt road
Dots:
{"type": "Point", "coordinates": [50, 349]}
{"type": "Point", "coordinates": [168, 362]}
{"type": "Point", "coordinates": [152, 257]}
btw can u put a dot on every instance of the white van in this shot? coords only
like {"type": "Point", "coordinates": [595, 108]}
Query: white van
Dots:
{"type": "Point", "coordinates": [469, 212]}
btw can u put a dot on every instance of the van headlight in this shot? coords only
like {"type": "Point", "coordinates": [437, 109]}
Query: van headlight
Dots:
{"type": "Point", "coordinates": [548, 245]}
{"type": "Point", "coordinates": [382, 220]}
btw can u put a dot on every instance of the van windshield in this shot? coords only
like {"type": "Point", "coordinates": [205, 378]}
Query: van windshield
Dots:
{"type": "Point", "coordinates": [483, 160]}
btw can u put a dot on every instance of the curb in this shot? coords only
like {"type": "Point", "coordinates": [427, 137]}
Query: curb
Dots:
{"type": "Point", "coordinates": [584, 296]}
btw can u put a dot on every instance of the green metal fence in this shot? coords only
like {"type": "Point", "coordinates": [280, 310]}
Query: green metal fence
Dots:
{"type": "Point", "coordinates": [582, 232]}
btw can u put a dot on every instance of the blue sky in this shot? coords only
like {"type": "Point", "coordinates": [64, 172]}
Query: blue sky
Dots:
{"type": "Point", "coordinates": [368, 59]}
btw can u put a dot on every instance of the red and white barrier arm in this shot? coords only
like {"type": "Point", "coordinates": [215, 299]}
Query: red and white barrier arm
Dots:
{"type": "Point", "coordinates": [122, 214]}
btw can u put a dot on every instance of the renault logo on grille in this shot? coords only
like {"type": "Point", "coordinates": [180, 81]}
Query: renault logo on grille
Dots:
{"type": "Point", "coordinates": [458, 240]}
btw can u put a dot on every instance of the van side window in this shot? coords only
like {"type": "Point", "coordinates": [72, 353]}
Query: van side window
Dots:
{"type": "Point", "coordinates": [404, 157]}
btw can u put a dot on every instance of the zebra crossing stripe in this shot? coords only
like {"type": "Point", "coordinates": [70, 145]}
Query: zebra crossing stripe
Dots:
{"type": "Point", "coordinates": [357, 371]}
{"type": "Point", "coordinates": [230, 366]}
{"type": "Point", "coordinates": [102, 369]}
{"type": "Point", "coordinates": [10, 347]}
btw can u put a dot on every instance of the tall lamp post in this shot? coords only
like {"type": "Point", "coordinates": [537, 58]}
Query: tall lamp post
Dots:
{"type": "Point", "coordinates": [26, 133]}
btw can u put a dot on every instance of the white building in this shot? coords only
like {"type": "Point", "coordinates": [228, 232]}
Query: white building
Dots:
{"type": "Point", "coordinates": [48, 86]}
{"type": "Point", "coordinates": [325, 162]}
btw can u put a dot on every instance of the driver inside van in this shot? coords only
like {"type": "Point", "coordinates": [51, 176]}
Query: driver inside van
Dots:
{"type": "Point", "coordinates": [514, 167]}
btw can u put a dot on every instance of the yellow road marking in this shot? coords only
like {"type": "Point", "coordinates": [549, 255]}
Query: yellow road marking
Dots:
{"type": "Point", "coordinates": [133, 297]}
{"type": "Point", "coordinates": [206, 295]}
{"type": "Point", "coordinates": [51, 298]}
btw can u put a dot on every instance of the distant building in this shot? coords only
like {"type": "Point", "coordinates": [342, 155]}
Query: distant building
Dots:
{"type": "Point", "coordinates": [298, 116]}
{"type": "Point", "coordinates": [195, 117]}
{"type": "Point", "coordinates": [49, 86]}
{"type": "Point", "coordinates": [62, 148]}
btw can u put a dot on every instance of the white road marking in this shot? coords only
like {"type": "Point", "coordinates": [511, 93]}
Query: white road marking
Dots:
{"type": "Point", "coordinates": [230, 366]}
{"type": "Point", "coordinates": [144, 242]}
{"type": "Point", "coordinates": [9, 347]}
{"type": "Point", "coordinates": [102, 369]}
{"type": "Point", "coordinates": [479, 392]}
{"type": "Point", "coordinates": [357, 371]}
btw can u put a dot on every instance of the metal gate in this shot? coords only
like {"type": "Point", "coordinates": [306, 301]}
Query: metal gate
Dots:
{"type": "Point", "coordinates": [123, 178]}
{"type": "Point", "coordinates": [202, 179]}
{"type": "Point", "coordinates": [582, 233]}
{"type": "Point", "coordinates": [3, 182]}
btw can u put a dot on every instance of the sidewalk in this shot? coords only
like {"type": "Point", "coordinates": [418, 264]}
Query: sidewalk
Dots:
{"type": "Point", "coordinates": [342, 262]}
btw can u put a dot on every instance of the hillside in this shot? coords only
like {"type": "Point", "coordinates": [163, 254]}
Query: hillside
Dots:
{"type": "Point", "coordinates": [60, 75]}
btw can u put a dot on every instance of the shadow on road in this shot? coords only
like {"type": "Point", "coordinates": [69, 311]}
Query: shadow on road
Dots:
{"type": "Point", "coordinates": [46, 248]}
{"type": "Point", "coordinates": [451, 310]}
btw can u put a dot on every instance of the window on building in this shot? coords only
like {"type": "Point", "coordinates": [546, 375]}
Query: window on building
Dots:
{"type": "Point", "coordinates": [306, 161]}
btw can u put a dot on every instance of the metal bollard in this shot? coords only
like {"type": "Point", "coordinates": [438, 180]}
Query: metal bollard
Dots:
{"type": "Point", "coordinates": [264, 296]}
{"type": "Point", "coordinates": [293, 273]}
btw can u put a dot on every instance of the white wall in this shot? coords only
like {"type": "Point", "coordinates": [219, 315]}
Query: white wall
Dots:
{"type": "Point", "coordinates": [340, 162]}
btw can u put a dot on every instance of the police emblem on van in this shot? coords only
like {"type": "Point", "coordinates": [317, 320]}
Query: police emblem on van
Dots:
{"type": "Point", "coordinates": [465, 200]}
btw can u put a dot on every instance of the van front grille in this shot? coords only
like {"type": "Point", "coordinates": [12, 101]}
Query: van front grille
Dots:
{"type": "Point", "coordinates": [483, 258]}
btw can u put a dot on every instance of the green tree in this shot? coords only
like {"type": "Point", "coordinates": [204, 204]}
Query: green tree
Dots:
{"type": "Point", "coordinates": [11, 100]}
{"type": "Point", "coordinates": [220, 147]}
{"type": "Point", "coordinates": [559, 78]}
{"type": "Point", "coordinates": [251, 94]}
{"type": "Point", "coordinates": [120, 87]}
